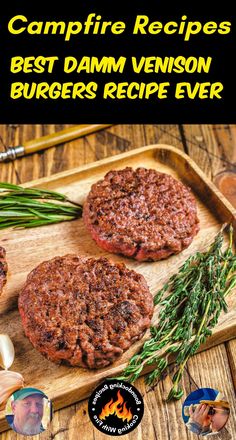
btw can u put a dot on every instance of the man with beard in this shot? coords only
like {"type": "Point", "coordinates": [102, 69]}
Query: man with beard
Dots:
{"type": "Point", "coordinates": [27, 408]}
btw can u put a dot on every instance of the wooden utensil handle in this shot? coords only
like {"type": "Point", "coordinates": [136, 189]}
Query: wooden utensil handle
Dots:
{"type": "Point", "coordinates": [61, 136]}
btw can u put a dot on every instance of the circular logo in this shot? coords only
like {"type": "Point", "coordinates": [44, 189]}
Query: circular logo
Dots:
{"type": "Point", "coordinates": [115, 407]}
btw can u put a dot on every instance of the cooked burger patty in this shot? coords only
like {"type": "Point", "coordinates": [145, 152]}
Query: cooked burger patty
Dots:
{"type": "Point", "coordinates": [3, 268]}
{"type": "Point", "coordinates": [141, 214]}
{"type": "Point", "coordinates": [84, 311]}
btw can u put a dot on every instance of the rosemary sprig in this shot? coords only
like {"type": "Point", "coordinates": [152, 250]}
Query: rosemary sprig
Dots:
{"type": "Point", "coordinates": [26, 207]}
{"type": "Point", "coordinates": [195, 297]}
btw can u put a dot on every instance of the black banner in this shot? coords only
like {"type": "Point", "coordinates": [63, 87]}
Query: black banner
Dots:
{"type": "Point", "coordinates": [99, 63]}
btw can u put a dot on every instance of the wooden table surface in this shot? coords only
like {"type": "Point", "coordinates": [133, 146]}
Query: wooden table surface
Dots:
{"type": "Point", "coordinates": [213, 147]}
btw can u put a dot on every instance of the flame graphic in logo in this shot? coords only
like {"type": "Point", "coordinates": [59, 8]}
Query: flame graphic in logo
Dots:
{"type": "Point", "coordinates": [112, 408]}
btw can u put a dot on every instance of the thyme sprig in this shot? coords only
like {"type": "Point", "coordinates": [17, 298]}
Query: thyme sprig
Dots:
{"type": "Point", "coordinates": [191, 303]}
{"type": "Point", "coordinates": [26, 207]}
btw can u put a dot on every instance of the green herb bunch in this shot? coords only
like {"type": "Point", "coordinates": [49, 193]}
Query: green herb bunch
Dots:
{"type": "Point", "coordinates": [25, 207]}
{"type": "Point", "coordinates": [193, 301]}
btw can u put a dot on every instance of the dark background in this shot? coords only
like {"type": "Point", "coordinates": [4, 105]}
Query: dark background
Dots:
{"type": "Point", "coordinates": [220, 47]}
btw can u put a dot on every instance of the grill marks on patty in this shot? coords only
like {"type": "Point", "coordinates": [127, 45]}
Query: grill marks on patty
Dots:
{"type": "Point", "coordinates": [3, 268]}
{"type": "Point", "coordinates": [84, 311]}
{"type": "Point", "coordinates": [142, 213]}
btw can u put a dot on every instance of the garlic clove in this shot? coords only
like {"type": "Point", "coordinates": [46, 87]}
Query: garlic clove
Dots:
{"type": "Point", "coordinates": [7, 351]}
{"type": "Point", "coordinates": [10, 381]}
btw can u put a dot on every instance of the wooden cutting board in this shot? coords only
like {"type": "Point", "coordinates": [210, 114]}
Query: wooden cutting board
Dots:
{"type": "Point", "coordinates": [27, 248]}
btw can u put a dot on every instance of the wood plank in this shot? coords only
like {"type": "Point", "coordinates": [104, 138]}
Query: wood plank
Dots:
{"type": "Point", "coordinates": [106, 143]}
{"type": "Point", "coordinates": [52, 378]}
{"type": "Point", "coordinates": [231, 352]}
{"type": "Point", "coordinates": [203, 148]}
{"type": "Point", "coordinates": [225, 136]}
{"type": "Point", "coordinates": [7, 171]}
{"type": "Point", "coordinates": [161, 421]}
{"type": "Point", "coordinates": [202, 143]}
{"type": "Point", "coordinates": [212, 147]}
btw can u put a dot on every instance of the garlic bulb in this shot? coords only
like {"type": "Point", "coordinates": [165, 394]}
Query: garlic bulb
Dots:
{"type": "Point", "coordinates": [10, 381]}
{"type": "Point", "coordinates": [7, 352]}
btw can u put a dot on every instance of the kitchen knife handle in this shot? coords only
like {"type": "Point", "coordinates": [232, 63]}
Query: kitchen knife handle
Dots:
{"type": "Point", "coordinates": [61, 136]}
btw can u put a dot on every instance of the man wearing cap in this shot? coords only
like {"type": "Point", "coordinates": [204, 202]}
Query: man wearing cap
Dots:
{"type": "Point", "coordinates": [27, 407]}
{"type": "Point", "coordinates": [209, 417]}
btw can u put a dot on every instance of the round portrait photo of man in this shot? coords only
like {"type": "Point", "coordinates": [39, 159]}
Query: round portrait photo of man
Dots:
{"type": "Point", "coordinates": [28, 411]}
{"type": "Point", "coordinates": [206, 412]}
